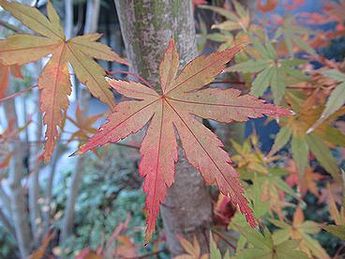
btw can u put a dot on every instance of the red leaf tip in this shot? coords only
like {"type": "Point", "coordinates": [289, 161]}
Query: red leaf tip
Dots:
{"type": "Point", "coordinates": [171, 43]}
{"type": "Point", "coordinates": [282, 112]}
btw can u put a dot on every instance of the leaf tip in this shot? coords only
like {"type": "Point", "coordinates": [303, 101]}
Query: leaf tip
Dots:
{"type": "Point", "coordinates": [171, 43]}
{"type": "Point", "coordinates": [148, 236]}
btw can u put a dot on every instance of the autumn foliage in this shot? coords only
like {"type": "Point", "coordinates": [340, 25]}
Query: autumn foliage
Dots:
{"type": "Point", "coordinates": [269, 70]}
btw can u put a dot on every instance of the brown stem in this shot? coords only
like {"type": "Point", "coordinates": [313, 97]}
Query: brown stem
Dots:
{"type": "Point", "coordinates": [10, 27]}
{"type": "Point", "coordinates": [17, 93]}
{"type": "Point", "coordinates": [131, 74]}
{"type": "Point", "coordinates": [224, 239]}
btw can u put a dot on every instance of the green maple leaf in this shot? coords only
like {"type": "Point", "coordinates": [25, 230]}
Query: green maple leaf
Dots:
{"type": "Point", "coordinates": [264, 245]}
{"type": "Point", "coordinates": [270, 70]}
{"type": "Point", "coordinates": [301, 231]}
{"type": "Point", "coordinates": [295, 131]}
{"type": "Point", "coordinates": [293, 34]}
{"type": "Point", "coordinates": [336, 99]}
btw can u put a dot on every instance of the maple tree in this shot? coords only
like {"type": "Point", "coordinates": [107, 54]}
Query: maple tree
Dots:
{"type": "Point", "coordinates": [181, 98]}
{"type": "Point", "coordinates": [285, 176]}
{"type": "Point", "coordinates": [54, 81]}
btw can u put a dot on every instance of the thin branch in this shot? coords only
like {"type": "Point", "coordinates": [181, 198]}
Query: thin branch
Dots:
{"type": "Point", "coordinates": [228, 82]}
{"type": "Point", "coordinates": [301, 87]}
{"type": "Point", "coordinates": [17, 93]}
{"type": "Point", "coordinates": [224, 239]}
{"type": "Point", "coordinates": [10, 27]}
{"type": "Point", "coordinates": [131, 74]}
{"type": "Point", "coordinates": [38, 142]}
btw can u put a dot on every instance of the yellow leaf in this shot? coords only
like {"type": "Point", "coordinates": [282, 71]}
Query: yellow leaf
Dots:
{"type": "Point", "coordinates": [54, 82]}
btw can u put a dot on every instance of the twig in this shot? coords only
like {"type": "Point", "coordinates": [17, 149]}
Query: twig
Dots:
{"type": "Point", "coordinates": [224, 239]}
{"type": "Point", "coordinates": [228, 82]}
{"type": "Point", "coordinates": [17, 93]}
{"type": "Point", "coordinates": [37, 142]}
{"type": "Point", "coordinates": [131, 74]}
{"type": "Point", "coordinates": [10, 27]}
{"type": "Point", "coordinates": [301, 87]}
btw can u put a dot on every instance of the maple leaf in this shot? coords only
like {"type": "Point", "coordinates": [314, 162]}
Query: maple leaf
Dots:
{"type": "Point", "coordinates": [270, 71]}
{"type": "Point", "coordinates": [174, 108]}
{"type": "Point", "coordinates": [268, 192]}
{"type": "Point", "coordinates": [11, 133]}
{"type": "Point", "coordinates": [249, 157]}
{"type": "Point", "coordinates": [338, 216]}
{"type": "Point", "coordinates": [268, 188]}
{"type": "Point", "coordinates": [41, 251]}
{"type": "Point", "coordinates": [215, 252]}
{"type": "Point", "coordinates": [317, 142]}
{"type": "Point", "coordinates": [307, 183]}
{"type": "Point", "coordinates": [239, 19]}
{"type": "Point", "coordinates": [293, 35]}
{"type": "Point", "coordinates": [269, 6]}
{"type": "Point", "coordinates": [265, 245]}
{"type": "Point", "coordinates": [300, 230]}
{"type": "Point", "coordinates": [54, 81]}
{"type": "Point", "coordinates": [5, 72]}
{"type": "Point", "coordinates": [193, 250]}
{"type": "Point", "coordinates": [84, 125]}
{"type": "Point", "coordinates": [236, 28]}
{"type": "Point", "coordinates": [336, 99]}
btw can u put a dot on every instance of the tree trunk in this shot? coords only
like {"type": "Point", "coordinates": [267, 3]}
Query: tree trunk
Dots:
{"type": "Point", "coordinates": [147, 26]}
{"type": "Point", "coordinates": [17, 194]}
{"type": "Point", "coordinates": [91, 25]}
{"type": "Point", "coordinates": [33, 181]}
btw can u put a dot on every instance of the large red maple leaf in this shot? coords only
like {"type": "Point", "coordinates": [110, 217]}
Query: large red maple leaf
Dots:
{"type": "Point", "coordinates": [183, 98]}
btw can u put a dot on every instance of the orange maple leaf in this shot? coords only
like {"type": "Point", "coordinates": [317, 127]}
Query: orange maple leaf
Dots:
{"type": "Point", "coordinates": [5, 72]}
{"type": "Point", "coordinates": [269, 6]}
{"type": "Point", "coordinates": [54, 82]}
{"type": "Point", "coordinates": [307, 183]}
{"type": "Point", "coordinates": [84, 125]}
{"type": "Point", "coordinates": [182, 98]}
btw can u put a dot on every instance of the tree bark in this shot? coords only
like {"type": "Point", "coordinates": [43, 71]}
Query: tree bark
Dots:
{"type": "Point", "coordinates": [147, 26]}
